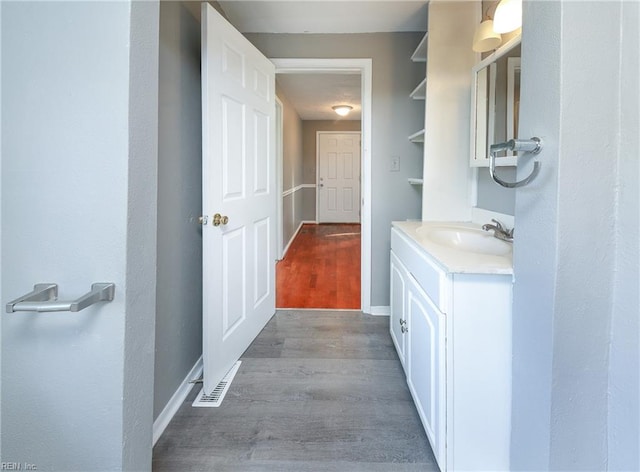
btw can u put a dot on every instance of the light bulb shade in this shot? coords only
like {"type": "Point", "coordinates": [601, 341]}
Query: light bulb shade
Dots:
{"type": "Point", "coordinates": [486, 38]}
{"type": "Point", "coordinates": [342, 110]}
{"type": "Point", "coordinates": [508, 16]}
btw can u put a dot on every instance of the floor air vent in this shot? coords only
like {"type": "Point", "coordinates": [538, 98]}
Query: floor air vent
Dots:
{"type": "Point", "coordinates": [214, 400]}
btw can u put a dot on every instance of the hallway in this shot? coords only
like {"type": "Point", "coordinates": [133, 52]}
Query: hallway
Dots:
{"type": "Point", "coordinates": [321, 268]}
{"type": "Point", "coordinates": [321, 391]}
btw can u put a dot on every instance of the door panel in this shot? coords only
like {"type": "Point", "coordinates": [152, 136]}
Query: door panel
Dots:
{"type": "Point", "coordinates": [426, 373]}
{"type": "Point", "coordinates": [233, 139]}
{"type": "Point", "coordinates": [262, 274]}
{"type": "Point", "coordinates": [399, 276]}
{"type": "Point", "coordinates": [338, 177]}
{"type": "Point", "coordinates": [261, 153]}
{"type": "Point", "coordinates": [238, 108]}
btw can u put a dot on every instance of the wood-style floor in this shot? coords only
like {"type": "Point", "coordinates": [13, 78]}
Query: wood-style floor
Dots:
{"type": "Point", "coordinates": [316, 392]}
{"type": "Point", "coordinates": [321, 268]}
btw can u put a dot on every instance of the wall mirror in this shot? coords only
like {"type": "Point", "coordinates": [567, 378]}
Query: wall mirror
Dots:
{"type": "Point", "coordinates": [495, 103]}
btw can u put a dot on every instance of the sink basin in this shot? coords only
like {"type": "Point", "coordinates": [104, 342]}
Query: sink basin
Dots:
{"type": "Point", "coordinates": [466, 239]}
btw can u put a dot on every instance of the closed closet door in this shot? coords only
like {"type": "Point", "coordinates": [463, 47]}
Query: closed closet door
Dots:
{"type": "Point", "coordinates": [338, 182]}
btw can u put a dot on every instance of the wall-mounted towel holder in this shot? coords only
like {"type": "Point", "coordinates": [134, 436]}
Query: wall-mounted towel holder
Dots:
{"type": "Point", "coordinates": [533, 145]}
{"type": "Point", "coordinates": [44, 298]}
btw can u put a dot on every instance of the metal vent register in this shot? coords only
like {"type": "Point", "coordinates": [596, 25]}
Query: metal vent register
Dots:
{"type": "Point", "coordinates": [215, 398]}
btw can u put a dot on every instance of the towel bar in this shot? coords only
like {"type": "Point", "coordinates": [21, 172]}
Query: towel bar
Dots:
{"type": "Point", "coordinates": [43, 298]}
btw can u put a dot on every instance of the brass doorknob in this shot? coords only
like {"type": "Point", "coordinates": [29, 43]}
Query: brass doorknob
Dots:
{"type": "Point", "coordinates": [218, 220]}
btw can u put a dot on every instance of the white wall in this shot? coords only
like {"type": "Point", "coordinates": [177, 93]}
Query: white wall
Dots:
{"type": "Point", "coordinates": [574, 370]}
{"type": "Point", "coordinates": [79, 156]}
{"type": "Point", "coordinates": [447, 175]}
{"type": "Point", "coordinates": [1, 286]}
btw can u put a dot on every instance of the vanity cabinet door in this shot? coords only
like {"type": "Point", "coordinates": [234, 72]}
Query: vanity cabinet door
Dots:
{"type": "Point", "coordinates": [426, 365]}
{"type": "Point", "coordinates": [398, 315]}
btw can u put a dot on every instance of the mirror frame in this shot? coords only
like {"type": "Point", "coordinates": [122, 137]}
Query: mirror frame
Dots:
{"type": "Point", "coordinates": [481, 158]}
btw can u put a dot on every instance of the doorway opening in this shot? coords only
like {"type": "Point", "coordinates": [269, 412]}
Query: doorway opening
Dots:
{"type": "Point", "coordinates": [361, 233]}
{"type": "Point", "coordinates": [321, 269]}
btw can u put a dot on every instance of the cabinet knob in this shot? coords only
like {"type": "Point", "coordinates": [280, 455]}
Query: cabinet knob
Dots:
{"type": "Point", "coordinates": [404, 329]}
{"type": "Point", "coordinates": [402, 322]}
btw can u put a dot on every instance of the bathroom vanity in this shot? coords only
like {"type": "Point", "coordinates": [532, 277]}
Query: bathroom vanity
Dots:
{"type": "Point", "coordinates": [451, 286]}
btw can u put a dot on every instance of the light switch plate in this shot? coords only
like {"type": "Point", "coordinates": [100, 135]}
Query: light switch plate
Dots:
{"type": "Point", "coordinates": [395, 163]}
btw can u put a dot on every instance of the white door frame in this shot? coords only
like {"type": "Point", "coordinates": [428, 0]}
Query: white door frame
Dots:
{"type": "Point", "coordinates": [364, 68]}
{"type": "Point", "coordinates": [318, 133]}
{"type": "Point", "coordinates": [279, 178]}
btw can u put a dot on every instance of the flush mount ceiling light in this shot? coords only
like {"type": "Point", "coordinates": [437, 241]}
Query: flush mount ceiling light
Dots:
{"type": "Point", "coordinates": [342, 110]}
{"type": "Point", "coordinates": [508, 16]}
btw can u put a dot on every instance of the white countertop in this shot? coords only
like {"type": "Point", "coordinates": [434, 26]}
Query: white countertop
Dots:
{"type": "Point", "coordinates": [451, 259]}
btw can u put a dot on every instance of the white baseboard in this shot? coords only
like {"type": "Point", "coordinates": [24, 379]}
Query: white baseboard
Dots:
{"type": "Point", "coordinates": [176, 401]}
{"type": "Point", "coordinates": [380, 310]}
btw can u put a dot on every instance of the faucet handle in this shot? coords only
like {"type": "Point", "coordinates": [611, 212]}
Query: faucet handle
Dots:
{"type": "Point", "coordinates": [498, 224]}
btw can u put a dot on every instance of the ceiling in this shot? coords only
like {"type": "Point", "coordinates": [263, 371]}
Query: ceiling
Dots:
{"type": "Point", "coordinates": [329, 16]}
{"type": "Point", "coordinates": [313, 95]}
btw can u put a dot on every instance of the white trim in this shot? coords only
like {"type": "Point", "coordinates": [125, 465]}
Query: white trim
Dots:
{"type": "Point", "coordinates": [296, 188]}
{"type": "Point", "coordinates": [176, 401]}
{"type": "Point", "coordinates": [318, 134]}
{"type": "Point", "coordinates": [279, 177]}
{"type": "Point", "coordinates": [380, 311]}
{"type": "Point", "coordinates": [365, 68]}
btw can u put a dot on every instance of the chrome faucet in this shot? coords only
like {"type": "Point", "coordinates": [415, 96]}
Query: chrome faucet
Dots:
{"type": "Point", "coordinates": [499, 231]}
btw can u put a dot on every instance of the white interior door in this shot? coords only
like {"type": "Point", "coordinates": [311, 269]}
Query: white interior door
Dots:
{"type": "Point", "coordinates": [338, 177]}
{"type": "Point", "coordinates": [239, 182]}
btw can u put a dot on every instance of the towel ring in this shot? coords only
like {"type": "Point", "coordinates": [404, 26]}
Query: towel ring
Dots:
{"type": "Point", "coordinates": [533, 145]}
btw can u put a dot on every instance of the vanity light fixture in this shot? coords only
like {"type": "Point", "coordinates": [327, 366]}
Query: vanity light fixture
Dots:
{"type": "Point", "coordinates": [485, 39]}
{"type": "Point", "coordinates": [342, 110]}
{"type": "Point", "coordinates": [508, 16]}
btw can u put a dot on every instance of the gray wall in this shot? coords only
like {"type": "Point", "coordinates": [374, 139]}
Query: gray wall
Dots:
{"type": "Point", "coordinates": [309, 129]}
{"type": "Point", "coordinates": [494, 197]}
{"type": "Point", "coordinates": [292, 168]}
{"type": "Point", "coordinates": [79, 155]}
{"type": "Point", "coordinates": [179, 270]}
{"type": "Point", "coordinates": [394, 117]}
{"type": "Point", "coordinates": [575, 324]}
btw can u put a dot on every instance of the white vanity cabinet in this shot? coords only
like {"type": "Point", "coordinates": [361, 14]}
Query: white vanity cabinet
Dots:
{"type": "Point", "coordinates": [455, 345]}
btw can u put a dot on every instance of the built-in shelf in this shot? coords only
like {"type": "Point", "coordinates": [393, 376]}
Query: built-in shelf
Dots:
{"type": "Point", "coordinates": [420, 92]}
{"type": "Point", "coordinates": [420, 54]}
{"type": "Point", "coordinates": [417, 137]}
